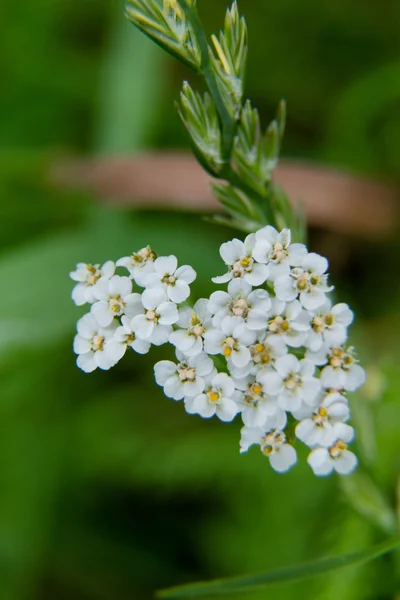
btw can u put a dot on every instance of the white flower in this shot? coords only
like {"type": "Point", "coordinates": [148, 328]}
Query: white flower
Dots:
{"type": "Point", "coordinates": [87, 276]}
{"type": "Point", "coordinates": [289, 321]}
{"type": "Point", "coordinates": [240, 301]}
{"type": "Point", "coordinates": [173, 280]}
{"type": "Point", "coordinates": [232, 342]}
{"type": "Point", "coordinates": [139, 264]}
{"type": "Point", "coordinates": [186, 379]}
{"type": "Point", "coordinates": [154, 316]}
{"type": "Point", "coordinates": [114, 298]}
{"type": "Point", "coordinates": [257, 406]}
{"type": "Point", "coordinates": [217, 399]}
{"type": "Point", "coordinates": [325, 460]}
{"type": "Point", "coordinates": [264, 352]}
{"type": "Point", "coordinates": [237, 256]}
{"type": "Point", "coordinates": [342, 371]}
{"type": "Point", "coordinates": [292, 381]}
{"type": "Point", "coordinates": [125, 338]}
{"type": "Point", "coordinates": [92, 344]}
{"type": "Point", "coordinates": [319, 428]}
{"type": "Point", "coordinates": [194, 322]}
{"type": "Point", "coordinates": [282, 456]}
{"type": "Point", "coordinates": [328, 325]}
{"type": "Point", "coordinates": [276, 250]}
{"type": "Point", "coordinates": [308, 281]}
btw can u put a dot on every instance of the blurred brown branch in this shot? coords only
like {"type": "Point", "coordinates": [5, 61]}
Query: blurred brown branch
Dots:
{"type": "Point", "coordinates": [332, 200]}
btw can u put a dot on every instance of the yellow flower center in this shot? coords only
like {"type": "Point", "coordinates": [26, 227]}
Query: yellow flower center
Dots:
{"type": "Point", "coordinates": [97, 343]}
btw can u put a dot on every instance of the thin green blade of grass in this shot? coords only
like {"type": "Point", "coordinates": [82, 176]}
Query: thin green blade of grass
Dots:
{"type": "Point", "coordinates": [258, 581]}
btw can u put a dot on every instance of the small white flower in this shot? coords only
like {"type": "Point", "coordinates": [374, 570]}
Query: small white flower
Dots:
{"type": "Point", "coordinates": [218, 399]}
{"type": "Point", "coordinates": [288, 321]}
{"type": "Point", "coordinates": [125, 338]}
{"type": "Point", "coordinates": [328, 325]}
{"type": "Point", "coordinates": [91, 344]}
{"type": "Point", "coordinates": [264, 352]}
{"type": "Point", "coordinates": [173, 280]}
{"type": "Point", "coordinates": [240, 301]}
{"type": "Point", "coordinates": [232, 342]}
{"type": "Point", "coordinates": [139, 264]}
{"type": "Point", "coordinates": [257, 406]}
{"type": "Point", "coordinates": [87, 277]}
{"type": "Point", "coordinates": [319, 427]}
{"type": "Point", "coordinates": [282, 456]}
{"type": "Point", "coordinates": [292, 381]}
{"type": "Point", "coordinates": [154, 317]}
{"type": "Point", "coordinates": [308, 281]}
{"type": "Point", "coordinates": [342, 371]}
{"type": "Point", "coordinates": [114, 298]}
{"type": "Point", "coordinates": [237, 256]}
{"type": "Point", "coordinates": [194, 323]}
{"type": "Point", "coordinates": [186, 379]}
{"type": "Point", "coordinates": [276, 250]}
{"type": "Point", "coordinates": [324, 461]}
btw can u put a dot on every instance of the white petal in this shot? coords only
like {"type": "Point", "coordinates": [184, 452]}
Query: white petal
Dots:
{"type": "Point", "coordinates": [250, 436]}
{"type": "Point", "coordinates": [160, 335]}
{"type": "Point", "coordinates": [312, 299]}
{"type": "Point", "coordinates": [355, 377]}
{"type": "Point", "coordinates": [142, 327]}
{"type": "Point", "coordinates": [241, 357]}
{"type": "Point", "coordinates": [320, 462]}
{"type": "Point", "coordinates": [79, 294]}
{"type": "Point", "coordinates": [311, 390]}
{"type": "Point", "coordinates": [168, 313]}
{"type": "Point", "coordinates": [173, 388]}
{"type": "Point", "coordinates": [222, 278]}
{"type": "Point", "coordinates": [203, 407]}
{"type": "Point", "coordinates": [121, 286]}
{"type": "Point", "coordinates": [258, 275]}
{"type": "Point", "coordinates": [257, 320]}
{"type": "Point", "coordinates": [181, 340]}
{"type": "Point", "coordinates": [179, 292]}
{"type": "Point", "coordinates": [166, 265]}
{"type": "Point", "coordinates": [81, 345]}
{"type": "Point", "coordinates": [163, 371]}
{"type": "Point", "coordinates": [114, 351]}
{"type": "Point", "coordinates": [283, 459]}
{"type": "Point", "coordinates": [287, 364]}
{"type": "Point", "coordinates": [141, 346]}
{"type": "Point", "coordinates": [223, 382]}
{"type": "Point", "coordinates": [102, 313]}
{"type": "Point", "coordinates": [284, 289]}
{"type": "Point", "coordinates": [86, 362]}
{"type": "Point", "coordinates": [108, 269]}
{"type": "Point", "coordinates": [227, 410]}
{"type": "Point", "coordinates": [271, 382]}
{"type": "Point", "coordinates": [87, 326]}
{"type": "Point", "coordinates": [231, 251]}
{"type": "Point", "coordinates": [333, 378]}
{"type": "Point", "coordinates": [297, 252]}
{"type": "Point", "coordinates": [314, 263]}
{"type": "Point", "coordinates": [346, 463]}
{"type": "Point", "coordinates": [153, 297]}
{"type": "Point", "coordinates": [186, 273]}
{"type": "Point", "coordinates": [261, 251]}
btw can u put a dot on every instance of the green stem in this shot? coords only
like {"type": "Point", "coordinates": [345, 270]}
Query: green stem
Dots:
{"type": "Point", "coordinates": [227, 123]}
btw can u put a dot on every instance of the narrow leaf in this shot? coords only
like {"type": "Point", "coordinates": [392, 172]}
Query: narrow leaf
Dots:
{"type": "Point", "coordinates": [259, 581]}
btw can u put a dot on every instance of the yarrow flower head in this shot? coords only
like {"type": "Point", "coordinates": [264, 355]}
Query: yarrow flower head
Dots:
{"type": "Point", "coordinates": [271, 349]}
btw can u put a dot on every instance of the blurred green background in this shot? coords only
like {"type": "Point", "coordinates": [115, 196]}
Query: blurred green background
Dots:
{"type": "Point", "coordinates": [108, 490]}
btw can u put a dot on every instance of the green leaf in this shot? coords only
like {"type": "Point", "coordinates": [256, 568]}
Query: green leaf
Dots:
{"type": "Point", "coordinates": [259, 581]}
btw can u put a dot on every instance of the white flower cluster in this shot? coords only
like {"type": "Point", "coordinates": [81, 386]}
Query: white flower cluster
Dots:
{"type": "Point", "coordinates": [271, 348]}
